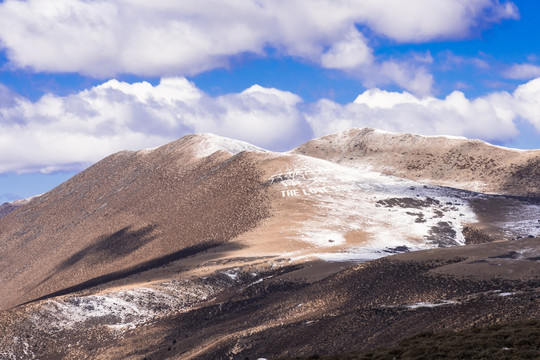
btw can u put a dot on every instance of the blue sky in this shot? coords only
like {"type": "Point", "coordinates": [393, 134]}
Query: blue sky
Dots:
{"type": "Point", "coordinates": [80, 80]}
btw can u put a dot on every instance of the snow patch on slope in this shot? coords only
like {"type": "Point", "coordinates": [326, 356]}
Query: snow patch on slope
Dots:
{"type": "Point", "coordinates": [123, 309]}
{"type": "Point", "coordinates": [393, 212]}
{"type": "Point", "coordinates": [361, 214]}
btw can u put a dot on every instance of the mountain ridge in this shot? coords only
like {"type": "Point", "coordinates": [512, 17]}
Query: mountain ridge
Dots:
{"type": "Point", "coordinates": [469, 164]}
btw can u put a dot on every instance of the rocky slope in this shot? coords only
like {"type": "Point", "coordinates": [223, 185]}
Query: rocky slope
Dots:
{"type": "Point", "coordinates": [253, 248]}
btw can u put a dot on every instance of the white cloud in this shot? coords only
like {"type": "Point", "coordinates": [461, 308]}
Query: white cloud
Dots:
{"type": "Point", "coordinates": [262, 116]}
{"type": "Point", "coordinates": [353, 56]}
{"type": "Point", "coordinates": [68, 132]}
{"type": "Point", "coordinates": [103, 38]}
{"type": "Point", "coordinates": [491, 117]}
{"type": "Point", "coordinates": [522, 72]}
{"type": "Point", "coordinates": [349, 53]}
{"type": "Point", "coordinates": [410, 75]}
{"type": "Point", "coordinates": [528, 102]}
{"type": "Point", "coordinates": [422, 20]}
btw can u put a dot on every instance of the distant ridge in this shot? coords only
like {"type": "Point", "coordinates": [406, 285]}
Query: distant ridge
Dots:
{"type": "Point", "coordinates": [449, 161]}
{"type": "Point", "coordinates": [8, 207]}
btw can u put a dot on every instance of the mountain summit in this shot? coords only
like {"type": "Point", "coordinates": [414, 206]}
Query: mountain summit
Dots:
{"type": "Point", "coordinates": [143, 245]}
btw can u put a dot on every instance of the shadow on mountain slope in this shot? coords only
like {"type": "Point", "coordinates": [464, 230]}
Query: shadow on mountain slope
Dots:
{"type": "Point", "coordinates": [116, 245]}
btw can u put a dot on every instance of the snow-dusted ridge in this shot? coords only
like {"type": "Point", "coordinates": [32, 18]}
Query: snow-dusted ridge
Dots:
{"type": "Point", "coordinates": [449, 137]}
{"type": "Point", "coordinates": [24, 201]}
{"type": "Point", "coordinates": [210, 143]}
{"type": "Point", "coordinates": [122, 309]}
{"type": "Point", "coordinates": [205, 144]}
{"type": "Point", "coordinates": [344, 135]}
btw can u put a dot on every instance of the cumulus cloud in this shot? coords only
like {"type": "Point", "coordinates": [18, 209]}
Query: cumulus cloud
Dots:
{"type": "Point", "coordinates": [65, 133]}
{"type": "Point", "coordinates": [491, 117]}
{"type": "Point", "coordinates": [169, 38]}
{"type": "Point", "coordinates": [354, 57]}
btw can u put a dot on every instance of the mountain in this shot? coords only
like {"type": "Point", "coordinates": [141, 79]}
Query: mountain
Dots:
{"type": "Point", "coordinates": [209, 247]}
{"type": "Point", "coordinates": [8, 207]}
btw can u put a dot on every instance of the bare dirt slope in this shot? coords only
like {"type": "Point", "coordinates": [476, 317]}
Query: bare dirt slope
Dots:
{"type": "Point", "coordinates": [467, 164]}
